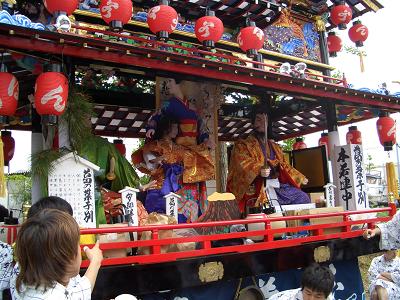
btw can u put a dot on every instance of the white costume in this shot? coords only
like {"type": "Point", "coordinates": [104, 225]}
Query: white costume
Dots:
{"type": "Point", "coordinates": [295, 294]}
{"type": "Point", "coordinates": [380, 265]}
{"type": "Point", "coordinates": [390, 233]}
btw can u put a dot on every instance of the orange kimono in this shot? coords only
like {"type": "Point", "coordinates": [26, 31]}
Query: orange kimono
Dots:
{"type": "Point", "coordinates": [247, 160]}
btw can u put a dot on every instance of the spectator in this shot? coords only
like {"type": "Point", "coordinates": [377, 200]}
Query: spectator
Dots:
{"type": "Point", "coordinates": [389, 233]}
{"type": "Point", "coordinates": [384, 276]}
{"type": "Point", "coordinates": [9, 269]}
{"type": "Point", "coordinates": [316, 283]}
{"type": "Point", "coordinates": [49, 256]}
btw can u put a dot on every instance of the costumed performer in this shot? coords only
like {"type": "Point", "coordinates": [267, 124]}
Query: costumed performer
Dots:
{"type": "Point", "coordinates": [179, 169]}
{"type": "Point", "coordinates": [255, 158]}
{"type": "Point", "coordinates": [192, 132]}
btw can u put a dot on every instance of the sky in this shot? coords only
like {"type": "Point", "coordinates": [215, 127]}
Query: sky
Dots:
{"type": "Point", "coordinates": [381, 65]}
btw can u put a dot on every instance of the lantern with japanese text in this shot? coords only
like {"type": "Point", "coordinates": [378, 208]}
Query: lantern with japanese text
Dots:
{"type": "Point", "coordinates": [334, 44]}
{"type": "Point", "coordinates": [341, 15]}
{"type": "Point", "coordinates": [162, 20]}
{"type": "Point", "coordinates": [299, 144]}
{"type": "Point", "coordinates": [358, 33]}
{"type": "Point", "coordinates": [353, 136]}
{"type": "Point", "coordinates": [251, 39]}
{"type": "Point", "coordinates": [9, 91]}
{"type": "Point", "coordinates": [386, 127]}
{"type": "Point", "coordinates": [8, 146]}
{"type": "Point", "coordinates": [119, 144]}
{"type": "Point", "coordinates": [116, 13]}
{"type": "Point", "coordinates": [57, 7]}
{"type": "Point", "coordinates": [209, 29]}
{"type": "Point", "coordinates": [324, 141]}
{"type": "Point", "coordinates": [51, 94]}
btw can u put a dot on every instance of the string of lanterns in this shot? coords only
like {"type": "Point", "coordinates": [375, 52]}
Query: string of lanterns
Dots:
{"type": "Point", "coordinates": [341, 15]}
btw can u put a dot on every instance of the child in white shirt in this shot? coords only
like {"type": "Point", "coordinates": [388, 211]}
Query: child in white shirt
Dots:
{"type": "Point", "coordinates": [49, 257]}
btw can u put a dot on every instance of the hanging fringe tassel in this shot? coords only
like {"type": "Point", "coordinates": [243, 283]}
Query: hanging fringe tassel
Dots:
{"type": "Point", "coordinates": [2, 176]}
{"type": "Point", "coordinates": [362, 67]}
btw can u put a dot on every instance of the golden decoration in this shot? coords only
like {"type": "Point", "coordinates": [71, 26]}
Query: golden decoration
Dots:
{"type": "Point", "coordinates": [211, 271]}
{"type": "Point", "coordinates": [322, 254]}
{"type": "Point", "coordinates": [319, 24]}
{"type": "Point", "coordinates": [371, 5]}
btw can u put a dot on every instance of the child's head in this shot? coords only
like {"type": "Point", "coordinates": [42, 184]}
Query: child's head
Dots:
{"type": "Point", "coordinates": [317, 282]}
{"type": "Point", "coordinates": [48, 249]}
{"type": "Point", "coordinates": [390, 255]}
{"type": "Point", "coordinates": [50, 202]}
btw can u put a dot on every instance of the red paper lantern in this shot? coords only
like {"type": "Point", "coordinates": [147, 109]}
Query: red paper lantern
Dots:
{"type": "Point", "coordinates": [9, 91]}
{"type": "Point", "coordinates": [324, 141]}
{"type": "Point", "coordinates": [334, 44]}
{"type": "Point", "coordinates": [61, 7]}
{"type": "Point", "coordinates": [209, 29]}
{"type": "Point", "coordinates": [8, 146]}
{"type": "Point", "coordinates": [251, 39]}
{"type": "Point", "coordinates": [299, 144]}
{"type": "Point", "coordinates": [116, 13]}
{"type": "Point", "coordinates": [358, 33]}
{"type": "Point", "coordinates": [386, 127]}
{"type": "Point", "coordinates": [51, 94]}
{"type": "Point", "coordinates": [119, 144]}
{"type": "Point", "coordinates": [353, 136]}
{"type": "Point", "coordinates": [341, 15]}
{"type": "Point", "coordinates": [162, 20]}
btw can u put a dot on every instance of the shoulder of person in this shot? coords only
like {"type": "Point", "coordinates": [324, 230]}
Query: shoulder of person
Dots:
{"type": "Point", "coordinates": [286, 295]}
{"type": "Point", "coordinates": [6, 253]}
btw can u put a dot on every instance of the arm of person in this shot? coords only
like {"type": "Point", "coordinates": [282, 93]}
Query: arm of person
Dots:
{"type": "Point", "coordinates": [95, 255]}
{"type": "Point", "coordinates": [389, 233]}
{"type": "Point", "coordinates": [373, 270]}
{"type": "Point", "coordinates": [370, 233]}
{"type": "Point", "coordinates": [387, 276]}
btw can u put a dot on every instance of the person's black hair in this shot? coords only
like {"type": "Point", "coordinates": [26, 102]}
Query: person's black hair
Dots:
{"type": "Point", "coordinates": [318, 278]}
{"type": "Point", "coordinates": [163, 127]}
{"type": "Point", "coordinates": [50, 202]}
{"type": "Point", "coordinates": [3, 213]}
{"type": "Point", "coordinates": [37, 3]}
{"type": "Point", "coordinates": [257, 110]}
{"type": "Point", "coordinates": [178, 80]}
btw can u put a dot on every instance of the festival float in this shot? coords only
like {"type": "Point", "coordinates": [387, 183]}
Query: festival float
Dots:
{"type": "Point", "coordinates": [109, 68]}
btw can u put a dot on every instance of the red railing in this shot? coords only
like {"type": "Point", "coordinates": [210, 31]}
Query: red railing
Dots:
{"type": "Point", "coordinates": [345, 228]}
{"type": "Point", "coordinates": [199, 54]}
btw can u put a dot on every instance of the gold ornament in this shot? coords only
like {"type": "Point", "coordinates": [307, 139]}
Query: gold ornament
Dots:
{"type": "Point", "coordinates": [322, 254]}
{"type": "Point", "coordinates": [211, 271]}
{"type": "Point", "coordinates": [319, 24]}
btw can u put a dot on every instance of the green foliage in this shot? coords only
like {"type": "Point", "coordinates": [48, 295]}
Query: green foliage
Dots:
{"type": "Point", "coordinates": [370, 165]}
{"type": "Point", "coordinates": [287, 145]}
{"type": "Point", "coordinates": [337, 74]}
{"type": "Point", "coordinates": [240, 98]}
{"type": "Point", "coordinates": [22, 187]}
{"type": "Point", "coordinates": [77, 115]}
{"type": "Point", "coordinates": [354, 50]}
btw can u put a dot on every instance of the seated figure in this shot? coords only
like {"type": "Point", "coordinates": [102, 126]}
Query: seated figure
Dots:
{"type": "Point", "coordinates": [384, 276]}
{"type": "Point", "coordinates": [255, 159]}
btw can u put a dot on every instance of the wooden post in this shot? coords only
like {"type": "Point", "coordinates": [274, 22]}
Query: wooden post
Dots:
{"type": "Point", "coordinates": [218, 169]}
{"type": "Point", "coordinates": [158, 92]}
